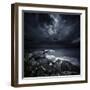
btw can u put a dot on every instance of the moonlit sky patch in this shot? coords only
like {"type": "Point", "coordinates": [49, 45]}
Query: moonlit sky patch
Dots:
{"type": "Point", "coordinates": [51, 27]}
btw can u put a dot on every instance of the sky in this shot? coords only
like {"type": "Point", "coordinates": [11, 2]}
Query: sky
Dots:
{"type": "Point", "coordinates": [45, 28]}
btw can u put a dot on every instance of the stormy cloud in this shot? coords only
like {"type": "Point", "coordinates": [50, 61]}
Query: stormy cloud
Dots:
{"type": "Point", "coordinates": [51, 28]}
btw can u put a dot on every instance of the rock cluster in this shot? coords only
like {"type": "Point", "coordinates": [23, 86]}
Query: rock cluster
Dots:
{"type": "Point", "coordinates": [37, 64]}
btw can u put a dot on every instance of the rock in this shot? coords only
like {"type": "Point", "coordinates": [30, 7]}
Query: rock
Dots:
{"type": "Point", "coordinates": [40, 65]}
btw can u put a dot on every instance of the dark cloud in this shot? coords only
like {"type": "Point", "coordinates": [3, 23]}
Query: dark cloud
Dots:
{"type": "Point", "coordinates": [51, 27]}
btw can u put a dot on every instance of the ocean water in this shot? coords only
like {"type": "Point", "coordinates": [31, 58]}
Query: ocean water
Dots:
{"type": "Point", "coordinates": [70, 52]}
{"type": "Point", "coordinates": [62, 53]}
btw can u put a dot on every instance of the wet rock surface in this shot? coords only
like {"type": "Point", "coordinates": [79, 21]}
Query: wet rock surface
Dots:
{"type": "Point", "coordinates": [37, 64]}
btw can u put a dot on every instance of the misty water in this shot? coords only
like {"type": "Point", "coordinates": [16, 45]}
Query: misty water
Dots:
{"type": "Point", "coordinates": [69, 52]}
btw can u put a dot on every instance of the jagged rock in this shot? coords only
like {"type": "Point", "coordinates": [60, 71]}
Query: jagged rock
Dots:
{"type": "Point", "coordinates": [39, 65]}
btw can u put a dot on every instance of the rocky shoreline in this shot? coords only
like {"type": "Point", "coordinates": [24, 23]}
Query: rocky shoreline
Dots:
{"type": "Point", "coordinates": [40, 63]}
